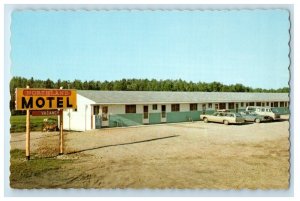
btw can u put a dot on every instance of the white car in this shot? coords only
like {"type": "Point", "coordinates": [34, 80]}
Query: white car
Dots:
{"type": "Point", "coordinates": [223, 117]}
{"type": "Point", "coordinates": [265, 111]}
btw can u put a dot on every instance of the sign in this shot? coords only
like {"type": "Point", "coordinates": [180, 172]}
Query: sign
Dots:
{"type": "Point", "coordinates": [45, 99]}
{"type": "Point", "coordinates": [46, 112]}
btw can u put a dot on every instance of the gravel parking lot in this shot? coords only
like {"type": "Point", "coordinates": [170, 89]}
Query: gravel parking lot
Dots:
{"type": "Point", "coordinates": [184, 155]}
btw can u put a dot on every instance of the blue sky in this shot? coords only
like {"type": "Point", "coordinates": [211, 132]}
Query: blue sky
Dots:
{"type": "Point", "coordinates": [247, 47]}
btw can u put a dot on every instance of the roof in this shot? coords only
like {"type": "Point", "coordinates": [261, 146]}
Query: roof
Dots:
{"type": "Point", "coordinates": [140, 97]}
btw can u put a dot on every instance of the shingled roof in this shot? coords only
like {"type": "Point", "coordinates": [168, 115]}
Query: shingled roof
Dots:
{"type": "Point", "coordinates": [152, 97]}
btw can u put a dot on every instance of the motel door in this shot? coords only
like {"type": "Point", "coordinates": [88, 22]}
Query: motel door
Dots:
{"type": "Point", "coordinates": [104, 116]}
{"type": "Point", "coordinates": [145, 115]}
{"type": "Point", "coordinates": [236, 107]}
{"type": "Point", "coordinates": [163, 113]}
{"type": "Point", "coordinates": [203, 108]}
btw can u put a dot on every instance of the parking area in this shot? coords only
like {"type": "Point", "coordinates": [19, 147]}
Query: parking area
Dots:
{"type": "Point", "coordinates": [183, 155]}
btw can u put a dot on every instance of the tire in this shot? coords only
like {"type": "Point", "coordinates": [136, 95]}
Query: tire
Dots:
{"type": "Point", "coordinates": [257, 121]}
{"type": "Point", "coordinates": [225, 122]}
{"type": "Point", "coordinates": [205, 120]}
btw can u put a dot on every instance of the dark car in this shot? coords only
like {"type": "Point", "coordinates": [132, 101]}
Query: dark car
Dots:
{"type": "Point", "coordinates": [253, 117]}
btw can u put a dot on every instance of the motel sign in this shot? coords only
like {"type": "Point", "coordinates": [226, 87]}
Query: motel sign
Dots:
{"type": "Point", "coordinates": [45, 99]}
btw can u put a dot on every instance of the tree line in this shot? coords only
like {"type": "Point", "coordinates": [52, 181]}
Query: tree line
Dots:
{"type": "Point", "coordinates": [132, 85]}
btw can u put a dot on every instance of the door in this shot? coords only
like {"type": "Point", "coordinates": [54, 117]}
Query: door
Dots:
{"type": "Point", "coordinates": [236, 107]}
{"type": "Point", "coordinates": [145, 115]}
{"type": "Point", "coordinates": [163, 113]}
{"type": "Point", "coordinates": [104, 116]}
{"type": "Point", "coordinates": [203, 108]}
{"type": "Point", "coordinates": [96, 119]}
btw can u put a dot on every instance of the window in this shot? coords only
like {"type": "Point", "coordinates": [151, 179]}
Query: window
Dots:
{"type": "Point", "coordinates": [222, 106]}
{"type": "Point", "coordinates": [275, 104]}
{"type": "Point", "coordinates": [231, 106]}
{"type": "Point", "coordinates": [175, 108]}
{"type": "Point", "coordinates": [154, 107]}
{"type": "Point", "coordinates": [258, 103]}
{"type": "Point", "coordinates": [242, 104]}
{"type": "Point", "coordinates": [247, 104]}
{"type": "Point", "coordinates": [263, 104]}
{"type": "Point", "coordinates": [267, 103]}
{"type": "Point", "coordinates": [193, 107]}
{"type": "Point", "coordinates": [130, 108]}
{"type": "Point", "coordinates": [209, 105]}
{"type": "Point", "coordinates": [251, 104]}
{"type": "Point", "coordinates": [281, 104]}
{"type": "Point", "coordinates": [216, 106]}
{"type": "Point", "coordinates": [104, 113]}
{"type": "Point", "coordinates": [96, 109]}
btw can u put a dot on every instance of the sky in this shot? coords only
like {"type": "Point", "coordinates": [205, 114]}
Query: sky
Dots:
{"type": "Point", "coordinates": [250, 47]}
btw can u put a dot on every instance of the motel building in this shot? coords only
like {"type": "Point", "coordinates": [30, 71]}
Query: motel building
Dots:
{"type": "Point", "coordinates": [102, 109]}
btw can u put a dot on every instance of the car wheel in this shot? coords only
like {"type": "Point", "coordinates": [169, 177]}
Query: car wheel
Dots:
{"type": "Point", "coordinates": [257, 120]}
{"type": "Point", "coordinates": [226, 122]}
{"type": "Point", "coordinates": [205, 120]}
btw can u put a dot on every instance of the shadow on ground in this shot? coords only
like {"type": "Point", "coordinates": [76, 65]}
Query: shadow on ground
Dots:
{"type": "Point", "coordinates": [121, 144]}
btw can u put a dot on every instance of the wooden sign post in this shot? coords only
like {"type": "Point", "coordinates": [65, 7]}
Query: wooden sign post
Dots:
{"type": "Point", "coordinates": [27, 134]}
{"type": "Point", "coordinates": [61, 132]}
{"type": "Point", "coordinates": [61, 136]}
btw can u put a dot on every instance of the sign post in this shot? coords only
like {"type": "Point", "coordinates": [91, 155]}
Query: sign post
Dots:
{"type": "Point", "coordinates": [61, 136]}
{"type": "Point", "coordinates": [27, 134]}
{"type": "Point", "coordinates": [61, 133]}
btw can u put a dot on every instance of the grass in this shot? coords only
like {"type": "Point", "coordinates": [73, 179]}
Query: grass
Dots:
{"type": "Point", "coordinates": [25, 174]}
{"type": "Point", "coordinates": [18, 123]}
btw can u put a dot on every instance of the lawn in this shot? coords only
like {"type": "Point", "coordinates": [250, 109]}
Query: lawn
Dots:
{"type": "Point", "coordinates": [18, 122]}
{"type": "Point", "coordinates": [24, 172]}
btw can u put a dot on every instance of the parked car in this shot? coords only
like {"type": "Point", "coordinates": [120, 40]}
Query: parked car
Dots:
{"type": "Point", "coordinates": [223, 117]}
{"type": "Point", "coordinates": [265, 111]}
{"type": "Point", "coordinates": [253, 117]}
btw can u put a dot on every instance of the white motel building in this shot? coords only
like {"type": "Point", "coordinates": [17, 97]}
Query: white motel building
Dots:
{"type": "Point", "coordinates": [101, 109]}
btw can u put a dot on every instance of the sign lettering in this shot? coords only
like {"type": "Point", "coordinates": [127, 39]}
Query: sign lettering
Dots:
{"type": "Point", "coordinates": [46, 112]}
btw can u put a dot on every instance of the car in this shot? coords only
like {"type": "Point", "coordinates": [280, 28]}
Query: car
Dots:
{"type": "Point", "coordinates": [265, 111]}
{"type": "Point", "coordinates": [223, 117]}
{"type": "Point", "coordinates": [253, 117]}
